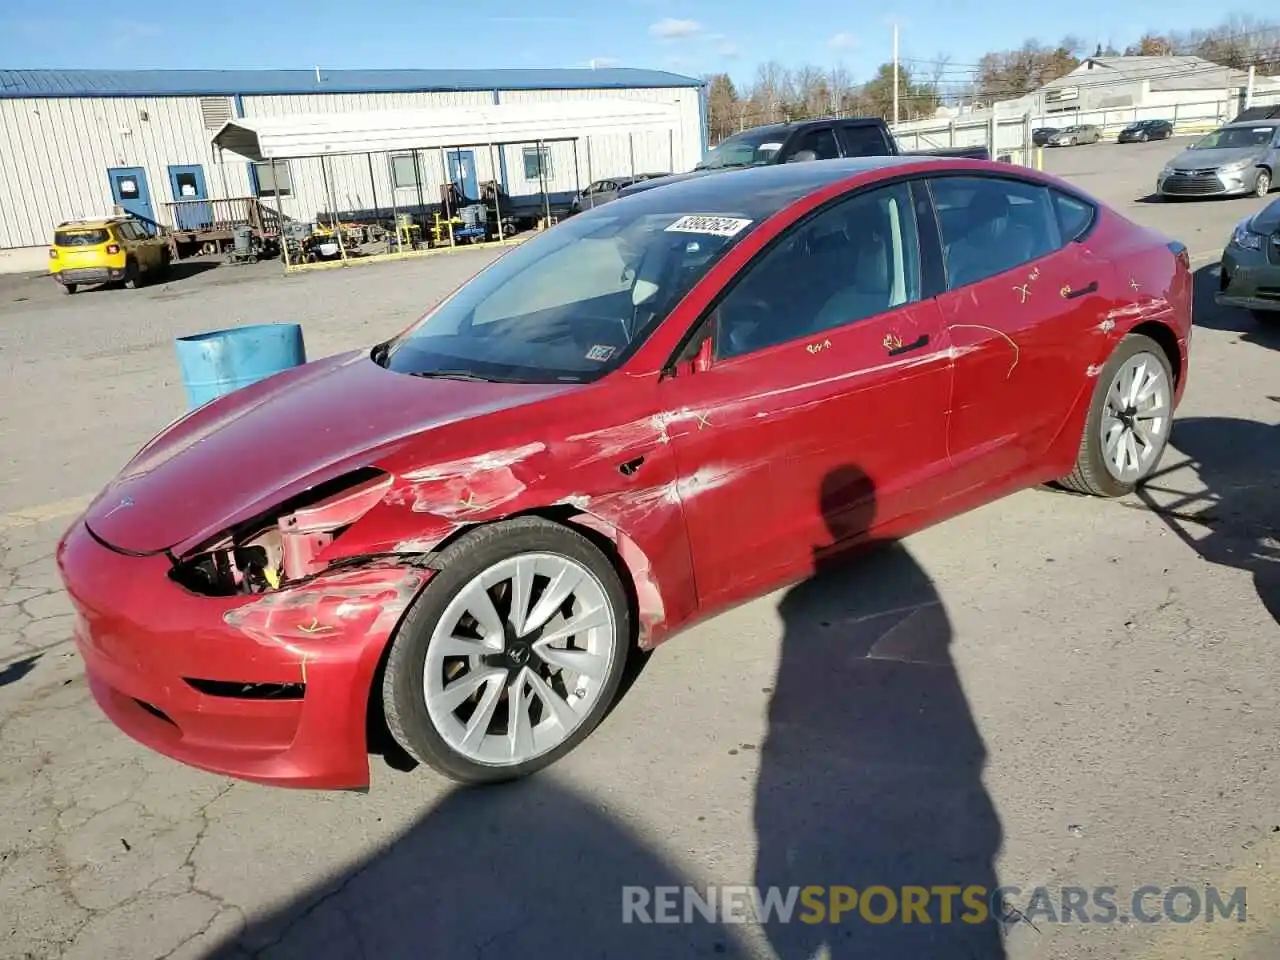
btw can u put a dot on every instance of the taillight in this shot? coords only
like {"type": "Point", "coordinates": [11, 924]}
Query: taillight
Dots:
{"type": "Point", "coordinates": [113, 249]}
{"type": "Point", "coordinates": [53, 254]}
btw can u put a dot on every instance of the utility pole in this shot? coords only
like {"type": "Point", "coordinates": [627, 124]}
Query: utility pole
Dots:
{"type": "Point", "coordinates": [1248, 91]}
{"type": "Point", "coordinates": [895, 76]}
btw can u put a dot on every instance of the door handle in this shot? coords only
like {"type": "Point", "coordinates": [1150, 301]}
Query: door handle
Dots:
{"type": "Point", "coordinates": [920, 341]}
{"type": "Point", "coordinates": [1069, 294]}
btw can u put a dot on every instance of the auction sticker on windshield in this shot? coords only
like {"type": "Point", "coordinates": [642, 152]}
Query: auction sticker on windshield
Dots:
{"type": "Point", "coordinates": [710, 226]}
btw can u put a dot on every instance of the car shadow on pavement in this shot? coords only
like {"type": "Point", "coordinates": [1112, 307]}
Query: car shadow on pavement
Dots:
{"type": "Point", "coordinates": [16, 670]}
{"type": "Point", "coordinates": [524, 870]}
{"type": "Point", "coordinates": [1235, 520]}
{"type": "Point", "coordinates": [871, 772]}
{"type": "Point", "coordinates": [1205, 312]}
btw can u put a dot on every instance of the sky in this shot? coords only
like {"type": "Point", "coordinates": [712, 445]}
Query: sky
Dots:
{"type": "Point", "coordinates": [693, 37]}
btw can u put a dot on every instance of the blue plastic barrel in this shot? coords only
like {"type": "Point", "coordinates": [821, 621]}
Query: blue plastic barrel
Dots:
{"type": "Point", "coordinates": [222, 361]}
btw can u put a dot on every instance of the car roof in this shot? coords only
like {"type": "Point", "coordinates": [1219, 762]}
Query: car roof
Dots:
{"type": "Point", "coordinates": [91, 221]}
{"type": "Point", "coordinates": [1264, 122]}
{"type": "Point", "coordinates": [760, 192]}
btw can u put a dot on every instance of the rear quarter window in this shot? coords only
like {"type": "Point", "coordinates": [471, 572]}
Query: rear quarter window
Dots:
{"type": "Point", "coordinates": [80, 238]}
{"type": "Point", "coordinates": [1075, 216]}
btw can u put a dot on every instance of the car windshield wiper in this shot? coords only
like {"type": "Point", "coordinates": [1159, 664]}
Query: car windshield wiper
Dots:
{"type": "Point", "coordinates": [452, 375]}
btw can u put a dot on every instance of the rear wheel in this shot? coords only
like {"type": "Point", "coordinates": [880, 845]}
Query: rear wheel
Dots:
{"type": "Point", "coordinates": [68, 288]}
{"type": "Point", "coordinates": [1127, 429]}
{"type": "Point", "coordinates": [511, 655]}
{"type": "Point", "coordinates": [132, 276]}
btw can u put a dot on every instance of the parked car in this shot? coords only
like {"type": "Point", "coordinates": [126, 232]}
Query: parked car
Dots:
{"type": "Point", "coordinates": [657, 410]}
{"type": "Point", "coordinates": [106, 250]}
{"type": "Point", "coordinates": [1235, 160]}
{"type": "Point", "coordinates": [602, 191]}
{"type": "Point", "coordinates": [1249, 275]}
{"type": "Point", "coordinates": [1071, 136]}
{"type": "Point", "coordinates": [825, 138]}
{"type": "Point", "coordinates": [1040, 136]}
{"type": "Point", "coordinates": [1145, 130]}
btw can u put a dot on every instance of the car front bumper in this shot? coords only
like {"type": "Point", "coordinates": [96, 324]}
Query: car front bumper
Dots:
{"type": "Point", "coordinates": [1250, 279]}
{"type": "Point", "coordinates": [90, 275]}
{"type": "Point", "coordinates": [1209, 183]}
{"type": "Point", "coordinates": [272, 688]}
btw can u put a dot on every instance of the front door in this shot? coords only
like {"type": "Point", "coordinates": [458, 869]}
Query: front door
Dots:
{"type": "Point", "coordinates": [823, 411]}
{"type": "Point", "coordinates": [463, 173]}
{"type": "Point", "coordinates": [1022, 298]}
{"type": "Point", "coordinates": [187, 183]}
{"type": "Point", "coordinates": [129, 190]}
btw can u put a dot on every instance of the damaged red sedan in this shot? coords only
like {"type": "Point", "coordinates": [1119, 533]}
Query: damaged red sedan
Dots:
{"type": "Point", "coordinates": [623, 425]}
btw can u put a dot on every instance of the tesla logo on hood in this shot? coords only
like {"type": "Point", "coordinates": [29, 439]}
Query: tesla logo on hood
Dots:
{"type": "Point", "coordinates": [124, 504]}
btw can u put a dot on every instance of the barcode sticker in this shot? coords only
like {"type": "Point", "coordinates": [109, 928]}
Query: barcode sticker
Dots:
{"type": "Point", "coordinates": [710, 226]}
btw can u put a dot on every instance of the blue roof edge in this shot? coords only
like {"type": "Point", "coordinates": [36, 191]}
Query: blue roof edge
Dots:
{"type": "Point", "coordinates": [46, 84]}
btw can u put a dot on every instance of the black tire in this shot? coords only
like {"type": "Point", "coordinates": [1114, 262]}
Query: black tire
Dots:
{"type": "Point", "coordinates": [1262, 186]}
{"type": "Point", "coordinates": [403, 702]}
{"type": "Point", "coordinates": [132, 276]}
{"type": "Point", "coordinates": [1090, 475]}
{"type": "Point", "coordinates": [68, 288]}
{"type": "Point", "coordinates": [1266, 316]}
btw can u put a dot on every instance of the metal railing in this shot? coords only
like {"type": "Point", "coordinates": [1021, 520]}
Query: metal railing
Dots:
{"type": "Point", "coordinates": [210, 217]}
{"type": "Point", "coordinates": [1011, 133]}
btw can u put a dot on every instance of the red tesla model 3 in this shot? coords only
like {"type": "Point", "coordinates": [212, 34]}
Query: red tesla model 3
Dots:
{"type": "Point", "coordinates": [618, 427]}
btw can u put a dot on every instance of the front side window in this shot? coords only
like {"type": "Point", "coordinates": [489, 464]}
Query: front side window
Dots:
{"type": "Point", "coordinates": [991, 224]}
{"type": "Point", "coordinates": [854, 260]}
{"type": "Point", "coordinates": [821, 142]}
{"type": "Point", "coordinates": [574, 302]}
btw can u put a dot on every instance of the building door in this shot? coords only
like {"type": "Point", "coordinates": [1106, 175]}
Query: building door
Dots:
{"type": "Point", "coordinates": [189, 213]}
{"type": "Point", "coordinates": [129, 190]}
{"type": "Point", "coordinates": [462, 171]}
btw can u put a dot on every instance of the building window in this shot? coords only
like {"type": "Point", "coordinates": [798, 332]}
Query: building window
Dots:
{"type": "Point", "coordinates": [273, 183]}
{"type": "Point", "coordinates": [404, 171]}
{"type": "Point", "coordinates": [532, 169]}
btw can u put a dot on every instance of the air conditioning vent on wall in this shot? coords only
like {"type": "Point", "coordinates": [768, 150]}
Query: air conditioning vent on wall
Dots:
{"type": "Point", "coordinates": [215, 111]}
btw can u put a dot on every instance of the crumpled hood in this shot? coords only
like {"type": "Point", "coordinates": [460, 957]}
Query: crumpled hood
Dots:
{"type": "Point", "coordinates": [246, 452]}
{"type": "Point", "coordinates": [1211, 159]}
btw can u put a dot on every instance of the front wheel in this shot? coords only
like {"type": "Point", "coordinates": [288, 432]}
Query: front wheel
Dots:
{"type": "Point", "coordinates": [511, 655]}
{"type": "Point", "coordinates": [1262, 186]}
{"type": "Point", "coordinates": [1266, 316]}
{"type": "Point", "coordinates": [1129, 420]}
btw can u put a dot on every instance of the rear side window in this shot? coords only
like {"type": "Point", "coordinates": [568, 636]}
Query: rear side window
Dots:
{"type": "Point", "coordinates": [821, 141]}
{"type": "Point", "coordinates": [1075, 217]}
{"type": "Point", "coordinates": [991, 224]}
{"type": "Point", "coordinates": [80, 238]}
{"type": "Point", "coordinates": [863, 140]}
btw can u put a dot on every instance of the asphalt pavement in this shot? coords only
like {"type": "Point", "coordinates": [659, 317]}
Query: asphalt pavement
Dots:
{"type": "Point", "coordinates": [1096, 680]}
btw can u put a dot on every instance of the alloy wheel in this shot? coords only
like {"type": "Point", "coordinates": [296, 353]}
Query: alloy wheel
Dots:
{"type": "Point", "coordinates": [1136, 417]}
{"type": "Point", "coordinates": [519, 658]}
{"type": "Point", "coordinates": [1262, 186]}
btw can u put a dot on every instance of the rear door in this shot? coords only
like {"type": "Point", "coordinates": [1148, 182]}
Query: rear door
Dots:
{"type": "Point", "coordinates": [823, 411]}
{"type": "Point", "coordinates": [1024, 295]}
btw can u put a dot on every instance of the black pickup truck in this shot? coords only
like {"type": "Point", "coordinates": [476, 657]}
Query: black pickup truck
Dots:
{"type": "Point", "coordinates": [828, 138]}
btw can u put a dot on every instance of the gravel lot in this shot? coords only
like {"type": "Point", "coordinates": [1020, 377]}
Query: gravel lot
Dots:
{"type": "Point", "coordinates": [1098, 677]}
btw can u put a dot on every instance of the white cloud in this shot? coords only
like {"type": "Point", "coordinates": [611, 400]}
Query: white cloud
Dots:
{"type": "Point", "coordinates": [843, 41]}
{"type": "Point", "coordinates": [729, 50]}
{"type": "Point", "coordinates": [672, 29]}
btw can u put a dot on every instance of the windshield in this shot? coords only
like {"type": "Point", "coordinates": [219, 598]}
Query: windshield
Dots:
{"type": "Point", "coordinates": [571, 304]}
{"type": "Point", "coordinates": [750, 149]}
{"type": "Point", "coordinates": [1229, 137]}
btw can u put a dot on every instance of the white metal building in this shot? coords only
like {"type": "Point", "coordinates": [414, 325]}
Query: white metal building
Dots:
{"type": "Point", "coordinates": [78, 142]}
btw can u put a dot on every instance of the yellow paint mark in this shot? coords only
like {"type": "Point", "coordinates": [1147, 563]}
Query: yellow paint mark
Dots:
{"type": "Point", "coordinates": [314, 627]}
{"type": "Point", "coordinates": [1017, 353]}
{"type": "Point", "coordinates": [273, 577]}
{"type": "Point", "coordinates": [1258, 938]}
{"type": "Point", "coordinates": [29, 516]}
